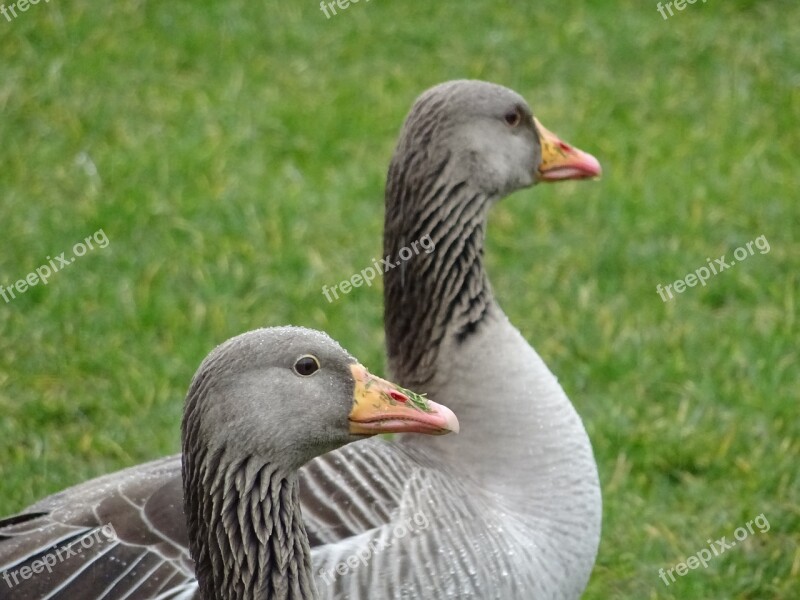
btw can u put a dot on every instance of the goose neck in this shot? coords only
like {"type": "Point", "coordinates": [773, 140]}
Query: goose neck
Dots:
{"type": "Point", "coordinates": [443, 290]}
{"type": "Point", "coordinates": [246, 530]}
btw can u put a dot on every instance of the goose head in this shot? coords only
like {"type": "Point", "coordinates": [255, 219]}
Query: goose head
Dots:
{"type": "Point", "coordinates": [489, 133]}
{"type": "Point", "coordinates": [286, 395]}
{"type": "Point", "coordinates": [259, 407]}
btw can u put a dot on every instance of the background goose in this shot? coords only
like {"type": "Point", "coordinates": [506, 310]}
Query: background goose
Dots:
{"type": "Point", "coordinates": [260, 406]}
{"type": "Point", "coordinates": [465, 145]}
{"type": "Point", "coordinates": [513, 513]}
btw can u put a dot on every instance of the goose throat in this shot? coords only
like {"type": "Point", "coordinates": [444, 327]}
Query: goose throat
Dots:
{"type": "Point", "coordinates": [440, 294]}
{"type": "Point", "coordinates": [246, 531]}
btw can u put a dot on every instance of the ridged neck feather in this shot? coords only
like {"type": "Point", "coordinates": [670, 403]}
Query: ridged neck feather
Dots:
{"type": "Point", "coordinates": [444, 291]}
{"type": "Point", "coordinates": [245, 528]}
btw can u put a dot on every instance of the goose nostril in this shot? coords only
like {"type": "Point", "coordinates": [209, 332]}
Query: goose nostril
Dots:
{"type": "Point", "coordinates": [398, 396]}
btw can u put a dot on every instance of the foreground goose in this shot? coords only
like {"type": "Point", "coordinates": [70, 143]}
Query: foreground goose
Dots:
{"type": "Point", "coordinates": [260, 406]}
{"type": "Point", "coordinates": [512, 512]}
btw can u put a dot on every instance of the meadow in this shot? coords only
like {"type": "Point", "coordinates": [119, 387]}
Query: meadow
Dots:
{"type": "Point", "coordinates": [234, 155]}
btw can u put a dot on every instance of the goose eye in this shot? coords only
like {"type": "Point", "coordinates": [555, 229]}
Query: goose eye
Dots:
{"type": "Point", "coordinates": [306, 365]}
{"type": "Point", "coordinates": [513, 118]}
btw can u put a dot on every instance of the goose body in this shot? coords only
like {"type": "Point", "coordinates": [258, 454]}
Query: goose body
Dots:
{"type": "Point", "coordinates": [510, 508]}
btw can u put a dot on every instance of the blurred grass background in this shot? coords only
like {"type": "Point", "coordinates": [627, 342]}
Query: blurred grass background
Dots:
{"type": "Point", "coordinates": [234, 154]}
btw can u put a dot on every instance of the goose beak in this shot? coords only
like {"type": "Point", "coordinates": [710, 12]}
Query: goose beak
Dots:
{"type": "Point", "coordinates": [380, 406]}
{"type": "Point", "coordinates": [560, 161]}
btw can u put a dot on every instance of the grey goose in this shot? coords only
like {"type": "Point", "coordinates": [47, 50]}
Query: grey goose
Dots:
{"type": "Point", "coordinates": [514, 508]}
{"type": "Point", "coordinates": [259, 407]}
{"type": "Point", "coordinates": [528, 526]}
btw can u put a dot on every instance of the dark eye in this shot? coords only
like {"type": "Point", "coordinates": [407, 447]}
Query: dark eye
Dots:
{"type": "Point", "coordinates": [306, 365]}
{"type": "Point", "coordinates": [513, 118]}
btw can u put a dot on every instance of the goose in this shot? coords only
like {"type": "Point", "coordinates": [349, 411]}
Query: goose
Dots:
{"type": "Point", "coordinates": [533, 487]}
{"type": "Point", "coordinates": [511, 510]}
{"type": "Point", "coordinates": [259, 407]}
{"type": "Point", "coordinates": [464, 146]}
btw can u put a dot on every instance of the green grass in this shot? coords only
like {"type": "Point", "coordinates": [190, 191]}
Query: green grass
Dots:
{"type": "Point", "coordinates": [240, 151]}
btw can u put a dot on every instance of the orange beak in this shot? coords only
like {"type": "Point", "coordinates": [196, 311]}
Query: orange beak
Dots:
{"type": "Point", "coordinates": [560, 161]}
{"type": "Point", "coordinates": [380, 406]}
